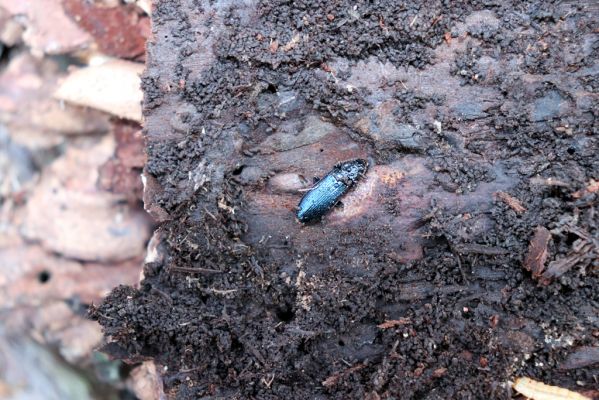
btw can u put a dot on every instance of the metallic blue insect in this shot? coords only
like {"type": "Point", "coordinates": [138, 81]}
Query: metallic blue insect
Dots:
{"type": "Point", "coordinates": [327, 192]}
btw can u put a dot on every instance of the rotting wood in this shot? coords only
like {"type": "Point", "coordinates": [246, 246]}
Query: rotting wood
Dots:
{"type": "Point", "coordinates": [581, 357]}
{"type": "Point", "coordinates": [364, 262]}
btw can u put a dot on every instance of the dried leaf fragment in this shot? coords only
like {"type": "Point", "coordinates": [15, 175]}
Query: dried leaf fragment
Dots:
{"type": "Point", "coordinates": [118, 31]}
{"type": "Point", "coordinates": [447, 37]}
{"type": "Point", "coordinates": [539, 391]}
{"type": "Point", "coordinates": [47, 28]}
{"type": "Point", "coordinates": [113, 87]}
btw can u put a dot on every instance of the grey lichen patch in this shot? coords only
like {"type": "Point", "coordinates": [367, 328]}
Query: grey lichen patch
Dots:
{"type": "Point", "coordinates": [387, 133]}
{"type": "Point", "coordinates": [314, 130]}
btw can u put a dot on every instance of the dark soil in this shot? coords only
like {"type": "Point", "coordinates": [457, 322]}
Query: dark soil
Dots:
{"type": "Point", "coordinates": [479, 120]}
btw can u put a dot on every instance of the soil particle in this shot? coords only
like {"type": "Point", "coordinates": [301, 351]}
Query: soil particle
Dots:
{"type": "Point", "coordinates": [246, 103]}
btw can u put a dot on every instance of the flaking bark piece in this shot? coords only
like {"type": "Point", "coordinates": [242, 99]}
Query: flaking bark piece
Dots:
{"type": "Point", "coordinates": [537, 253]}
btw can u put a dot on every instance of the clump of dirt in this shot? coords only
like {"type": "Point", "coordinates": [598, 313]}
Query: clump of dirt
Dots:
{"type": "Point", "coordinates": [480, 123]}
{"type": "Point", "coordinates": [314, 32]}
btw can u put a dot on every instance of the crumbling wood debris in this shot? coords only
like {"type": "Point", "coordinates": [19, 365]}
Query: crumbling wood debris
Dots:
{"type": "Point", "coordinates": [511, 201]}
{"type": "Point", "coordinates": [334, 379]}
{"type": "Point", "coordinates": [583, 356]}
{"type": "Point", "coordinates": [391, 323]}
{"type": "Point", "coordinates": [584, 250]}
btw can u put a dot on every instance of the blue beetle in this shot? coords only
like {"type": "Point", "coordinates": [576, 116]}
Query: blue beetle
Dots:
{"type": "Point", "coordinates": [327, 192]}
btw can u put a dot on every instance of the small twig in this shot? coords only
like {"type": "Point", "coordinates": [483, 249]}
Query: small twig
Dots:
{"type": "Point", "coordinates": [437, 19]}
{"type": "Point", "coordinates": [391, 323]}
{"type": "Point", "coordinates": [222, 291]}
{"type": "Point", "coordinates": [163, 294]}
{"type": "Point", "coordinates": [548, 182]}
{"type": "Point", "coordinates": [334, 379]}
{"type": "Point", "coordinates": [209, 213]}
{"type": "Point", "coordinates": [257, 268]}
{"type": "Point", "coordinates": [268, 382]}
{"type": "Point", "coordinates": [196, 270]}
{"type": "Point", "coordinates": [457, 256]}
{"type": "Point", "coordinates": [104, 315]}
